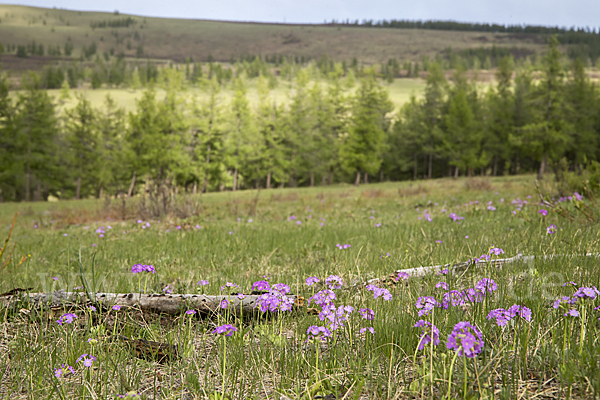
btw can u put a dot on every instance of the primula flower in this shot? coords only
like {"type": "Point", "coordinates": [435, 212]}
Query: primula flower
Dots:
{"type": "Point", "coordinates": [486, 285]}
{"type": "Point", "coordinates": [380, 292]}
{"type": "Point", "coordinates": [116, 307]}
{"type": "Point", "coordinates": [587, 293]}
{"type": "Point", "coordinates": [142, 268]}
{"type": "Point", "coordinates": [190, 312]}
{"type": "Point", "coordinates": [369, 329]}
{"type": "Point", "coordinates": [311, 280]}
{"type": "Point", "coordinates": [402, 275]}
{"type": "Point", "coordinates": [503, 316]}
{"type": "Point", "coordinates": [429, 331]}
{"type": "Point", "coordinates": [569, 283]}
{"type": "Point", "coordinates": [551, 229]}
{"type": "Point", "coordinates": [543, 212]}
{"type": "Point", "coordinates": [241, 296]}
{"type": "Point", "coordinates": [367, 313]}
{"type": "Point", "coordinates": [66, 318]}
{"type": "Point", "coordinates": [466, 339]}
{"type": "Point", "coordinates": [167, 290]}
{"type": "Point", "coordinates": [425, 304]}
{"type": "Point", "coordinates": [225, 330]}
{"type": "Point", "coordinates": [203, 282]}
{"type": "Point", "coordinates": [474, 295]}
{"type": "Point", "coordinates": [442, 285]}
{"type": "Point", "coordinates": [261, 286]}
{"type": "Point", "coordinates": [318, 332]}
{"type": "Point", "coordinates": [455, 217]}
{"type": "Point", "coordinates": [496, 251]}
{"type": "Point", "coordinates": [571, 313]}
{"type": "Point", "coordinates": [229, 284]}
{"type": "Point", "coordinates": [323, 297]}
{"type": "Point", "coordinates": [334, 282]}
{"type": "Point", "coordinates": [564, 299]}
{"type": "Point", "coordinates": [453, 298]}
{"type": "Point", "coordinates": [281, 288]}
{"type": "Point", "coordinates": [224, 303]}
{"type": "Point", "coordinates": [86, 360]}
{"type": "Point", "coordinates": [59, 372]}
{"type": "Point", "coordinates": [276, 299]}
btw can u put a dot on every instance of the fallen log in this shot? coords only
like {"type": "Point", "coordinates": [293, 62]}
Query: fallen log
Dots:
{"type": "Point", "coordinates": [419, 272]}
{"type": "Point", "coordinates": [171, 304]}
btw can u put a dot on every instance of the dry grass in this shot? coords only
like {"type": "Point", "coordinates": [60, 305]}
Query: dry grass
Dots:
{"type": "Point", "coordinates": [178, 39]}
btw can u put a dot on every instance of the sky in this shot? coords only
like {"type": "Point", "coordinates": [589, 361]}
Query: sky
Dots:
{"type": "Point", "coordinates": [579, 13]}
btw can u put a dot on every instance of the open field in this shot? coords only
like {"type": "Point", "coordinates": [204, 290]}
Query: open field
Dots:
{"type": "Point", "coordinates": [400, 91]}
{"type": "Point", "coordinates": [289, 235]}
{"type": "Point", "coordinates": [178, 39]}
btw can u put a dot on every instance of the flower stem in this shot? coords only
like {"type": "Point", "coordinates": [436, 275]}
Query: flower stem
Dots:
{"type": "Point", "coordinates": [450, 377]}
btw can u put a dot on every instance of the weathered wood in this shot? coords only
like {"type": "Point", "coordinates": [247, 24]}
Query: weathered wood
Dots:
{"type": "Point", "coordinates": [171, 304]}
{"type": "Point", "coordinates": [419, 272]}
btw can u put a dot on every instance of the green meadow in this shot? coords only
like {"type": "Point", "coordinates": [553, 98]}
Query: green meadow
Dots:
{"type": "Point", "coordinates": [399, 93]}
{"type": "Point", "coordinates": [286, 236]}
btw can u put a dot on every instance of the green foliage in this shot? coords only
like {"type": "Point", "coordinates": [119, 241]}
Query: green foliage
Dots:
{"type": "Point", "coordinates": [361, 149]}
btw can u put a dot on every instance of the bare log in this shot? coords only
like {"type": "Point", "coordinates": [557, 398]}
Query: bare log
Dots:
{"type": "Point", "coordinates": [171, 304]}
{"type": "Point", "coordinates": [419, 272]}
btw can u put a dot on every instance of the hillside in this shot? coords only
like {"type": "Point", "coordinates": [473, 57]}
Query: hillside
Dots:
{"type": "Point", "coordinates": [177, 39]}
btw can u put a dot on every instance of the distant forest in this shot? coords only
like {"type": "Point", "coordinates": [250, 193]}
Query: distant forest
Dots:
{"type": "Point", "coordinates": [586, 40]}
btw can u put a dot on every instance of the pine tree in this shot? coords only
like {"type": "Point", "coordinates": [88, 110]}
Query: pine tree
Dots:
{"type": "Point", "coordinates": [501, 116]}
{"type": "Point", "coordinates": [547, 136]}
{"type": "Point", "coordinates": [361, 149]}
{"type": "Point", "coordinates": [82, 138]}
{"type": "Point", "coordinates": [582, 105]}
{"type": "Point", "coordinates": [432, 112]}
{"type": "Point", "coordinates": [36, 140]}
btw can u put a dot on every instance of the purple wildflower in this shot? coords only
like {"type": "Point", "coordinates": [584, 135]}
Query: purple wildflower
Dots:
{"type": "Point", "coordinates": [430, 333]}
{"type": "Point", "coordinates": [225, 330]}
{"type": "Point", "coordinates": [224, 303]}
{"type": "Point", "coordinates": [486, 284]}
{"type": "Point", "coordinates": [425, 304]}
{"type": "Point", "coordinates": [116, 307]}
{"type": "Point", "coordinates": [402, 275]}
{"type": "Point", "coordinates": [369, 329]}
{"type": "Point", "coordinates": [229, 285]}
{"type": "Point", "coordinates": [59, 372]}
{"type": "Point", "coordinates": [318, 332]}
{"type": "Point", "coordinates": [442, 285]}
{"type": "Point", "coordinates": [367, 313]}
{"type": "Point", "coordinates": [261, 286]}
{"type": "Point", "coordinates": [466, 339]}
{"type": "Point", "coordinates": [86, 360]}
{"type": "Point", "coordinates": [543, 212]}
{"type": "Point", "coordinates": [334, 282]}
{"type": "Point", "coordinates": [571, 313]}
{"type": "Point", "coordinates": [190, 312]}
{"type": "Point", "coordinates": [587, 293]}
{"type": "Point", "coordinates": [67, 318]}
{"type": "Point", "coordinates": [203, 282]}
{"type": "Point", "coordinates": [551, 229]}
{"type": "Point", "coordinates": [311, 280]}
{"type": "Point", "coordinates": [323, 297]}
{"type": "Point", "coordinates": [564, 299]}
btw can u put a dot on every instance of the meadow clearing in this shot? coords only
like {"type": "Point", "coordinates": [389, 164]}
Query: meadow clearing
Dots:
{"type": "Point", "coordinates": [352, 341]}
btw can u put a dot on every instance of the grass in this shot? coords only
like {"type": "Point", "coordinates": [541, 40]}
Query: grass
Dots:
{"type": "Point", "coordinates": [399, 91]}
{"type": "Point", "coordinates": [551, 356]}
{"type": "Point", "coordinates": [178, 39]}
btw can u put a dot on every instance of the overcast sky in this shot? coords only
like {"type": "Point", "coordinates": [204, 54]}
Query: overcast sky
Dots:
{"type": "Point", "coordinates": [536, 12]}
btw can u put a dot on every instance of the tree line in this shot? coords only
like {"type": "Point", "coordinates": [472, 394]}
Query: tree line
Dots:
{"type": "Point", "coordinates": [529, 120]}
{"type": "Point", "coordinates": [585, 42]}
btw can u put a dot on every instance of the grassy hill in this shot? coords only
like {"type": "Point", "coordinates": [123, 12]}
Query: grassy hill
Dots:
{"type": "Point", "coordinates": [177, 39]}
